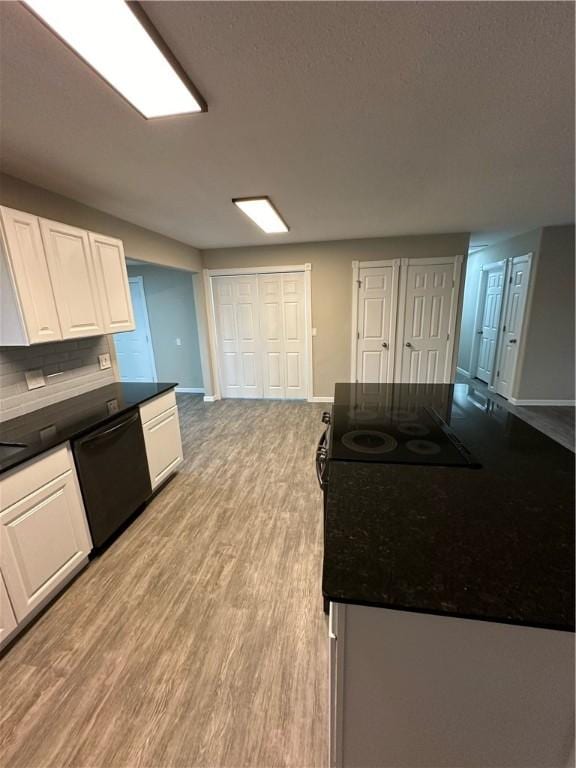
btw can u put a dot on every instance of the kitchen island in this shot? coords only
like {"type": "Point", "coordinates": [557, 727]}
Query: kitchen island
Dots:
{"type": "Point", "coordinates": [451, 591]}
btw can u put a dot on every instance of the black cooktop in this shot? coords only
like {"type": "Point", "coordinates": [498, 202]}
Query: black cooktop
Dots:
{"type": "Point", "coordinates": [371, 426]}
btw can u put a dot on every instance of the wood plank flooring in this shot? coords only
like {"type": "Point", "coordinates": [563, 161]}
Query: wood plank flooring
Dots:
{"type": "Point", "coordinates": [198, 637]}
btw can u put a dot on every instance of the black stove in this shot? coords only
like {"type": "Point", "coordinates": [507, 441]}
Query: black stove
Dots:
{"type": "Point", "coordinates": [389, 424]}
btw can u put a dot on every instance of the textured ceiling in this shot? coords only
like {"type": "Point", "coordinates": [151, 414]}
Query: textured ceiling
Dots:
{"type": "Point", "coordinates": [358, 119]}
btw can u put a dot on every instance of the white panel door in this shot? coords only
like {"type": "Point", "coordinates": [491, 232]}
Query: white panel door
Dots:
{"type": "Point", "coordinates": [29, 269]}
{"type": "Point", "coordinates": [283, 334]}
{"type": "Point", "coordinates": [7, 618]}
{"type": "Point", "coordinates": [293, 312]}
{"type": "Point", "coordinates": [272, 335]}
{"type": "Point", "coordinates": [516, 294]}
{"type": "Point", "coordinates": [43, 537]}
{"type": "Point", "coordinates": [73, 273]}
{"type": "Point", "coordinates": [237, 328]}
{"type": "Point", "coordinates": [429, 293]}
{"type": "Point", "coordinates": [112, 276]}
{"type": "Point", "coordinates": [490, 323]}
{"type": "Point", "coordinates": [134, 351]}
{"type": "Point", "coordinates": [376, 324]}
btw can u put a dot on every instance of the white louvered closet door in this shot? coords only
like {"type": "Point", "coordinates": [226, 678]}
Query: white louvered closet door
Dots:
{"type": "Point", "coordinates": [237, 327]}
{"type": "Point", "coordinates": [283, 335]}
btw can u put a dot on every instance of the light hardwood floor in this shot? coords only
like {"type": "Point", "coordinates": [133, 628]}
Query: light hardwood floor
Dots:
{"type": "Point", "coordinates": [198, 637]}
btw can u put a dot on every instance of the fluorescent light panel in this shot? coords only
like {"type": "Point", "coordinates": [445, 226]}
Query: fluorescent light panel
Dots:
{"type": "Point", "coordinates": [109, 37]}
{"type": "Point", "coordinates": [263, 213]}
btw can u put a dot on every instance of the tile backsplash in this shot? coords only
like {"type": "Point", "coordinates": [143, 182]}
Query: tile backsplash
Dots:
{"type": "Point", "coordinates": [70, 368]}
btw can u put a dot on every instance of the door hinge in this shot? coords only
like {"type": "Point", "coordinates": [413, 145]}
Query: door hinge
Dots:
{"type": "Point", "coordinates": [503, 329]}
{"type": "Point", "coordinates": [359, 283]}
{"type": "Point", "coordinates": [453, 283]}
{"type": "Point", "coordinates": [497, 374]}
{"type": "Point", "coordinates": [357, 334]}
{"type": "Point", "coordinates": [510, 280]}
{"type": "Point", "coordinates": [447, 337]}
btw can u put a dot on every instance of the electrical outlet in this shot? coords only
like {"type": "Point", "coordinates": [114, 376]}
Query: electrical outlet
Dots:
{"type": "Point", "coordinates": [178, 342]}
{"type": "Point", "coordinates": [35, 379]}
{"type": "Point", "coordinates": [104, 361]}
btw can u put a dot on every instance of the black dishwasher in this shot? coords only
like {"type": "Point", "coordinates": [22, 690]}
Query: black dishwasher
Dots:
{"type": "Point", "coordinates": [113, 473]}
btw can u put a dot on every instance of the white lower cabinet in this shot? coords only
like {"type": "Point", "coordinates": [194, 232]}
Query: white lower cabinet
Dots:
{"type": "Point", "coordinates": [7, 618]}
{"type": "Point", "coordinates": [44, 535]}
{"type": "Point", "coordinates": [161, 437]}
{"type": "Point", "coordinates": [410, 690]}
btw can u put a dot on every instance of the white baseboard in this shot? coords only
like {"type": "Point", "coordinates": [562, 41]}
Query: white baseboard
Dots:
{"type": "Point", "coordinates": [520, 401]}
{"type": "Point", "coordinates": [463, 372]}
{"type": "Point", "coordinates": [191, 390]}
{"type": "Point", "coordinates": [210, 398]}
{"type": "Point", "coordinates": [321, 399]}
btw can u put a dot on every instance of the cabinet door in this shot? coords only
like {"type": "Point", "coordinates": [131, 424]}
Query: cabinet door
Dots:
{"type": "Point", "coordinates": [163, 445]}
{"type": "Point", "coordinates": [28, 269]}
{"type": "Point", "coordinates": [43, 538]}
{"type": "Point", "coordinates": [7, 618]}
{"type": "Point", "coordinates": [73, 273]}
{"type": "Point", "coordinates": [113, 283]}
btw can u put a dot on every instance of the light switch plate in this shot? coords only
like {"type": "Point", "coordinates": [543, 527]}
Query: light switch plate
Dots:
{"type": "Point", "coordinates": [35, 379]}
{"type": "Point", "coordinates": [104, 361]}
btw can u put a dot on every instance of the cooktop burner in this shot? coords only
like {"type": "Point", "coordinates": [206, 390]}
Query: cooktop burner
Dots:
{"type": "Point", "coordinates": [394, 435]}
{"type": "Point", "coordinates": [426, 447]}
{"type": "Point", "coordinates": [369, 441]}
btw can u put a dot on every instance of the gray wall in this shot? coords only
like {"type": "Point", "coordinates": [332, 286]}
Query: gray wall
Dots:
{"type": "Point", "coordinates": [527, 242]}
{"type": "Point", "coordinates": [139, 243]}
{"type": "Point", "coordinates": [548, 365]}
{"type": "Point", "coordinates": [332, 285]}
{"type": "Point", "coordinates": [74, 362]}
{"type": "Point", "coordinates": [172, 314]}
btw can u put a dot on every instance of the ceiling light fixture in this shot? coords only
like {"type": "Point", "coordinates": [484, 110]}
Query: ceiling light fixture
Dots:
{"type": "Point", "coordinates": [120, 43]}
{"type": "Point", "coordinates": [262, 212]}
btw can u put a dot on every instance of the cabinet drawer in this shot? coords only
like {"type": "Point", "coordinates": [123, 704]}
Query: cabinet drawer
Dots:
{"type": "Point", "coordinates": [163, 446]}
{"type": "Point", "coordinates": [26, 478]}
{"type": "Point", "coordinates": [158, 405]}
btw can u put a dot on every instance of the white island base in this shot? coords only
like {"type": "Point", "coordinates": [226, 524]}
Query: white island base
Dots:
{"type": "Point", "coordinates": [411, 690]}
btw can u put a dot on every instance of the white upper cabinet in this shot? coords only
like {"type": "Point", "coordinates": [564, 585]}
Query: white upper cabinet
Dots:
{"type": "Point", "coordinates": [29, 313]}
{"type": "Point", "coordinates": [73, 271]}
{"type": "Point", "coordinates": [113, 283]}
{"type": "Point", "coordinates": [59, 282]}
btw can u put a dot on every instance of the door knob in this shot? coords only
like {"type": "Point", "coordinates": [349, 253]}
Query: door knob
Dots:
{"type": "Point", "coordinates": [513, 341]}
{"type": "Point", "coordinates": [408, 344]}
{"type": "Point", "coordinates": [385, 344]}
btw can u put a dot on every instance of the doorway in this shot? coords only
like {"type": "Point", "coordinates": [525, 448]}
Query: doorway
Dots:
{"type": "Point", "coordinates": [488, 313]}
{"type": "Point", "coordinates": [134, 351]}
{"type": "Point", "coordinates": [404, 319]}
{"type": "Point", "coordinates": [500, 316]}
{"type": "Point", "coordinates": [260, 331]}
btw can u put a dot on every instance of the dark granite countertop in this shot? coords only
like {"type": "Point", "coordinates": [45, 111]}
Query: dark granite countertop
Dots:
{"type": "Point", "coordinates": [47, 427]}
{"type": "Point", "coordinates": [495, 543]}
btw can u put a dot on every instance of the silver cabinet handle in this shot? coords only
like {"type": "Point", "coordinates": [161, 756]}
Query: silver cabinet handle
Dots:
{"type": "Point", "coordinates": [385, 344]}
{"type": "Point", "coordinates": [408, 344]}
